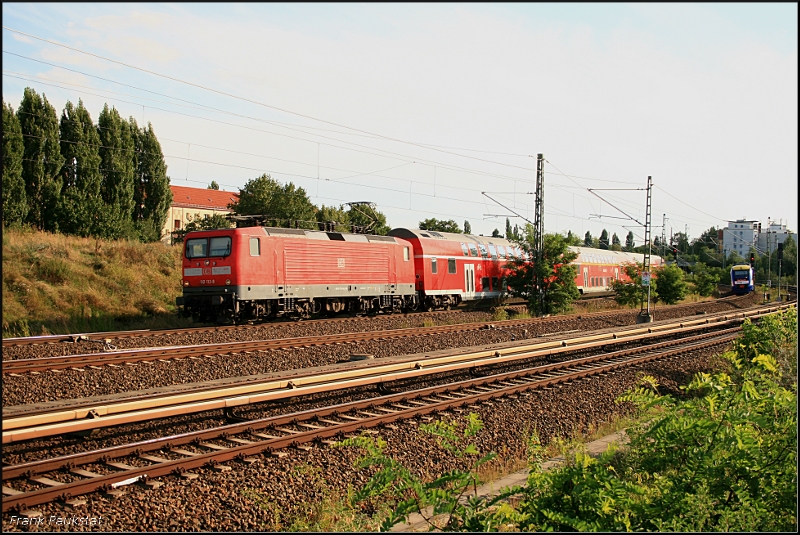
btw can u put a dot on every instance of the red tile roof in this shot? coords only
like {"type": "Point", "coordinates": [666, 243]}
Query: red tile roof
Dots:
{"type": "Point", "coordinates": [202, 198]}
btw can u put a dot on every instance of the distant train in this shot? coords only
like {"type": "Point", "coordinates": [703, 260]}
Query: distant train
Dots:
{"type": "Point", "coordinates": [742, 279]}
{"type": "Point", "coordinates": [253, 273]}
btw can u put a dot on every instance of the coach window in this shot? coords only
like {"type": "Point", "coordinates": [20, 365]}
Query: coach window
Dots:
{"type": "Point", "coordinates": [501, 252]}
{"type": "Point", "coordinates": [451, 266]}
{"type": "Point", "coordinates": [482, 247]}
{"type": "Point", "coordinates": [493, 251]}
{"type": "Point", "coordinates": [473, 251]}
{"type": "Point", "coordinates": [484, 283]}
{"type": "Point", "coordinates": [220, 246]}
{"type": "Point", "coordinates": [496, 284]}
{"type": "Point", "coordinates": [197, 248]}
{"type": "Point", "coordinates": [255, 247]}
{"type": "Point", "coordinates": [464, 249]}
{"type": "Point", "coordinates": [433, 266]}
{"type": "Point", "coordinates": [405, 254]}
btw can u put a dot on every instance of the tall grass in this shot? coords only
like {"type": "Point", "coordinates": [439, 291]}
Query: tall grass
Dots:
{"type": "Point", "coordinates": [56, 284]}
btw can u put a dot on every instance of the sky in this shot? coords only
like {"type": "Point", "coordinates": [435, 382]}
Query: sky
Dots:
{"type": "Point", "coordinates": [440, 110]}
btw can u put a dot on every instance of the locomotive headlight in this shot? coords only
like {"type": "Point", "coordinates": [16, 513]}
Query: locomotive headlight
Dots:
{"type": "Point", "coordinates": [227, 282]}
{"type": "Point", "coordinates": [185, 282]}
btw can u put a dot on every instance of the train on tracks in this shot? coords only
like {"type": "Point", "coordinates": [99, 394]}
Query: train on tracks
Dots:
{"type": "Point", "coordinates": [742, 279]}
{"type": "Point", "coordinates": [254, 273]}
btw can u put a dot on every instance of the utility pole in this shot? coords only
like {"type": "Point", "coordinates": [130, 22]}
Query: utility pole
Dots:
{"type": "Point", "coordinates": [769, 253]}
{"type": "Point", "coordinates": [663, 231]}
{"type": "Point", "coordinates": [538, 227]}
{"type": "Point", "coordinates": [644, 311]}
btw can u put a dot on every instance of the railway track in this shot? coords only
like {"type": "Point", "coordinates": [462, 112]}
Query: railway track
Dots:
{"type": "Point", "coordinates": [65, 478]}
{"type": "Point", "coordinates": [69, 416]}
{"type": "Point", "coordinates": [108, 337]}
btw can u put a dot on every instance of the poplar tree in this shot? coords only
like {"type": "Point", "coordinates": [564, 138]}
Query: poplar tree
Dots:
{"type": "Point", "coordinates": [118, 164]}
{"type": "Point", "coordinates": [15, 206]}
{"type": "Point", "coordinates": [80, 200]}
{"type": "Point", "coordinates": [629, 244]}
{"type": "Point", "coordinates": [41, 162]}
{"type": "Point", "coordinates": [615, 243]}
{"type": "Point", "coordinates": [604, 239]}
{"type": "Point", "coordinates": [587, 239]}
{"type": "Point", "coordinates": [509, 231]}
{"type": "Point", "coordinates": [467, 227]}
{"type": "Point", "coordinates": [152, 195]}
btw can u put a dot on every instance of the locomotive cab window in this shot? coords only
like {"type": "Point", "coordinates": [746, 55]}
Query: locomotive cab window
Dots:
{"type": "Point", "coordinates": [473, 251]}
{"type": "Point", "coordinates": [433, 266]}
{"type": "Point", "coordinates": [220, 246]}
{"type": "Point", "coordinates": [197, 248]}
{"type": "Point", "coordinates": [451, 265]}
{"type": "Point", "coordinates": [255, 247]}
{"type": "Point", "coordinates": [464, 249]}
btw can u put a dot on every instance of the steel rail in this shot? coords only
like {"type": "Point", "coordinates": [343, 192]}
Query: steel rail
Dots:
{"type": "Point", "coordinates": [30, 425]}
{"type": "Point", "coordinates": [391, 408]}
{"type": "Point", "coordinates": [18, 366]}
{"type": "Point", "coordinates": [102, 336]}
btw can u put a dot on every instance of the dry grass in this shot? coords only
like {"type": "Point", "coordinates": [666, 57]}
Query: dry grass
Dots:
{"type": "Point", "coordinates": [55, 284]}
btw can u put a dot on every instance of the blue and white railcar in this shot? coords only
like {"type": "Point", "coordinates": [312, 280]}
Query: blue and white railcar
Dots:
{"type": "Point", "coordinates": [742, 279]}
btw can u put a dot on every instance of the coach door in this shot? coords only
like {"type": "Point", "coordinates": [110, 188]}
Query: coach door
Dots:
{"type": "Point", "coordinates": [469, 281]}
{"type": "Point", "coordinates": [585, 278]}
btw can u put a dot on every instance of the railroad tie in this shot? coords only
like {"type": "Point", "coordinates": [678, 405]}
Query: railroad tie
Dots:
{"type": "Point", "coordinates": [239, 440]}
{"type": "Point", "coordinates": [287, 430]}
{"type": "Point", "coordinates": [8, 491]}
{"type": "Point", "coordinates": [118, 465]}
{"type": "Point", "coordinates": [331, 422]}
{"type": "Point", "coordinates": [153, 458]}
{"type": "Point", "coordinates": [83, 473]}
{"type": "Point", "coordinates": [46, 481]}
{"type": "Point", "coordinates": [264, 436]}
{"type": "Point", "coordinates": [187, 453]}
{"type": "Point", "coordinates": [212, 446]}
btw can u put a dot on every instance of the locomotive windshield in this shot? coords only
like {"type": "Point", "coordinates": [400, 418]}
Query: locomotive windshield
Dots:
{"type": "Point", "coordinates": [741, 274]}
{"type": "Point", "coordinates": [199, 247]}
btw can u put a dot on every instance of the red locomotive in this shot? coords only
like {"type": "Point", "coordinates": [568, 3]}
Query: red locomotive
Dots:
{"type": "Point", "coordinates": [261, 272]}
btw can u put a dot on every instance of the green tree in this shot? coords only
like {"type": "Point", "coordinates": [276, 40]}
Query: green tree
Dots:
{"type": "Point", "coordinates": [724, 459]}
{"type": "Point", "coordinates": [283, 205]}
{"type": "Point", "coordinates": [367, 219]}
{"type": "Point", "coordinates": [467, 227]}
{"type": "Point", "coordinates": [587, 239]}
{"type": "Point", "coordinates": [705, 280]}
{"type": "Point", "coordinates": [670, 286]}
{"type": "Point", "coordinates": [440, 225]}
{"type": "Point", "coordinates": [333, 219]}
{"type": "Point", "coordinates": [80, 200]}
{"type": "Point", "coordinates": [42, 162]}
{"type": "Point", "coordinates": [789, 263]}
{"type": "Point", "coordinates": [15, 204]}
{"type": "Point", "coordinates": [629, 243]}
{"type": "Point", "coordinates": [152, 194]}
{"type": "Point", "coordinates": [496, 234]}
{"type": "Point", "coordinates": [509, 230]}
{"type": "Point", "coordinates": [630, 292]}
{"type": "Point", "coordinates": [615, 243]}
{"type": "Point", "coordinates": [604, 239]}
{"type": "Point", "coordinates": [556, 270]}
{"type": "Point", "coordinates": [118, 166]}
{"type": "Point", "coordinates": [681, 242]}
{"type": "Point", "coordinates": [213, 185]}
{"type": "Point", "coordinates": [573, 240]}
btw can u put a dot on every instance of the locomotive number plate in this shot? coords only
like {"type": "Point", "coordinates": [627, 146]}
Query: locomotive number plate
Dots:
{"type": "Point", "coordinates": [192, 272]}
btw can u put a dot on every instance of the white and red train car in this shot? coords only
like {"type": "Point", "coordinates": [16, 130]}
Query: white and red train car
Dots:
{"type": "Point", "coordinates": [255, 272]}
{"type": "Point", "coordinates": [262, 272]}
{"type": "Point", "coordinates": [451, 268]}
